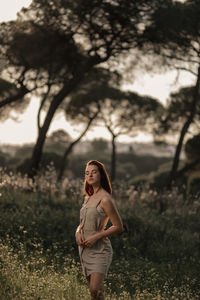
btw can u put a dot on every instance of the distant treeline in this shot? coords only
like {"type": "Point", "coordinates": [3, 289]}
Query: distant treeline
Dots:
{"type": "Point", "coordinates": [129, 164]}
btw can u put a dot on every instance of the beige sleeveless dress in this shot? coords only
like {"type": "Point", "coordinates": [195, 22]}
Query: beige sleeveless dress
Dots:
{"type": "Point", "coordinates": [98, 257]}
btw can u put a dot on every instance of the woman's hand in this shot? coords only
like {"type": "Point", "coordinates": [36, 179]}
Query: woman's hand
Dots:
{"type": "Point", "coordinates": [90, 241]}
{"type": "Point", "coordinates": [79, 237]}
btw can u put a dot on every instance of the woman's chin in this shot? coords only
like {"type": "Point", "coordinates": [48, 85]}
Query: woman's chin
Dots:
{"type": "Point", "coordinates": [91, 182]}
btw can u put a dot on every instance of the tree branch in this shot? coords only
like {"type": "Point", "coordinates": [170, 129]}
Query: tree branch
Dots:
{"type": "Point", "coordinates": [70, 147]}
{"type": "Point", "coordinates": [14, 98]}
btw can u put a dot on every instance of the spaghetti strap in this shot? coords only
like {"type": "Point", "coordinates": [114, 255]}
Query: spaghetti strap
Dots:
{"type": "Point", "coordinates": [98, 203]}
{"type": "Point", "coordinates": [86, 201]}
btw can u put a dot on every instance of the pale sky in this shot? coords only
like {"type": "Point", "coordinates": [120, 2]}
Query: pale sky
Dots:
{"type": "Point", "coordinates": [25, 131]}
{"type": "Point", "coordinates": [9, 8]}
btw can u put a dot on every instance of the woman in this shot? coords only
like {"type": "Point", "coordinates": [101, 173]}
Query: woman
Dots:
{"type": "Point", "coordinates": [95, 249]}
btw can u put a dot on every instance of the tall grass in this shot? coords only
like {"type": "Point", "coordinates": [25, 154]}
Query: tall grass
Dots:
{"type": "Point", "coordinates": [158, 257]}
{"type": "Point", "coordinates": [32, 277]}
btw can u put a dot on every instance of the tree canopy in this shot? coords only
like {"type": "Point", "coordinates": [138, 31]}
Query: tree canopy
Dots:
{"type": "Point", "coordinates": [56, 50]}
{"type": "Point", "coordinates": [53, 46]}
{"type": "Point", "coordinates": [173, 35]}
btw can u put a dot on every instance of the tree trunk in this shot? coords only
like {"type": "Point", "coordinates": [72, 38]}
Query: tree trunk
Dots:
{"type": "Point", "coordinates": [57, 100]}
{"type": "Point", "coordinates": [41, 107]}
{"type": "Point", "coordinates": [184, 130]}
{"type": "Point", "coordinates": [113, 155]}
{"type": "Point", "coordinates": [113, 159]}
{"type": "Point", "coordinates": [69, 149]}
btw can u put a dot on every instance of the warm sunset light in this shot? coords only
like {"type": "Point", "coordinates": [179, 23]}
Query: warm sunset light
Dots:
{"type": "Point", "coordinates": [99, 149]}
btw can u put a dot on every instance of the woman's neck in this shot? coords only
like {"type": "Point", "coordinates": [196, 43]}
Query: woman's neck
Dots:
{"type": "Point", "coordinates": [96, 189]}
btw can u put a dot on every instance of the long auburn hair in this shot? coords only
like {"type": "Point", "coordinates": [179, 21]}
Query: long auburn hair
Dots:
{"type": "Point", "coordinates": [105, 181]}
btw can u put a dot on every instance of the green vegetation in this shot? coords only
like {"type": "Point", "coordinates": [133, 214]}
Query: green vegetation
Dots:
{"type": "Point", "coordinates": [157, 257]}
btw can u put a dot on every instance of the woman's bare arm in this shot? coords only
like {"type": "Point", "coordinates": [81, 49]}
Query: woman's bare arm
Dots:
{"type": "Point", "coordinates": [111, 211]}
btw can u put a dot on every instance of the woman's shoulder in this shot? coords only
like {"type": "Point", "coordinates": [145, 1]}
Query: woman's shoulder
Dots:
{"type": "Point", "coordinates": [106, 197]}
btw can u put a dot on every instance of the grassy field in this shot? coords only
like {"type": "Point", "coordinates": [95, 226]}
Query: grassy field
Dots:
{"type": "Point", "coordinates": [157, 257]}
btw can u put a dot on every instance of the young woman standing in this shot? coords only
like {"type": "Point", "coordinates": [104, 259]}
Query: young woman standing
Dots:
{"type": "Point", "coordinates": [95, 249]}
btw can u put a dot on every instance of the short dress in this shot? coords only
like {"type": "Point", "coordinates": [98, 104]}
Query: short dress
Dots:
{"type": "Point", "coordinates": [98, 257]}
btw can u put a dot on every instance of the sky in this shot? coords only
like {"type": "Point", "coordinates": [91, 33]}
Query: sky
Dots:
{"type": "Point", "coordinates": [23, 131]}
{"type": "Point", "coordinates": [9, 8]}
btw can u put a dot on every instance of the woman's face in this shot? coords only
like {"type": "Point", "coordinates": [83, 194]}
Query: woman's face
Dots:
{"type": "Point", "coordinates": [92, 175]}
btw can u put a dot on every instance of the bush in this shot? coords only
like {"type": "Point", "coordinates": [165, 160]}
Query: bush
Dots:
{"type": "Point", "coordinates": [47, 159]}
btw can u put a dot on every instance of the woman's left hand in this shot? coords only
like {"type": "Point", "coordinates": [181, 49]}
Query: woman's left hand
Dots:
{"type": "Point", "coordinates": [89, 242]}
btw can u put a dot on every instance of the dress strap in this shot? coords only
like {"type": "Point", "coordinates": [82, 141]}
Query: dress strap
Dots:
{"type": "Point", "coordinates": [98, 203]}
{"type": "Point", "coordinates": [86, 201]}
